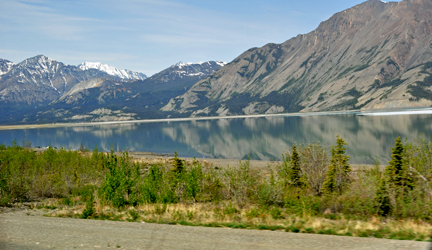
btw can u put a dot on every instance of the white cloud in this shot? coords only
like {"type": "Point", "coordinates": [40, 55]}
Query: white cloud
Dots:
{"type": "Point", "coordinates": [36, 18]}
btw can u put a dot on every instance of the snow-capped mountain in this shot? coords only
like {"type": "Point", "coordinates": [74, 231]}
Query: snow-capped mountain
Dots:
{"type": "Point", "coordinates": [40, 89]}
{"type": "Point", "coordinates": [152, 92]}
{"type": "Point", "coordinates": [41, 79]}
{"type": "Point", "coordinates": [5, 66]}
{"type": "Point", "coordinates": [111, 70]}
{"type": "Point", "coordinates": [141, 98]}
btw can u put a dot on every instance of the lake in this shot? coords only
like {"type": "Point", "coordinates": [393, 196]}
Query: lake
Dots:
{"type": "Point", "coordinates": [369, 136]}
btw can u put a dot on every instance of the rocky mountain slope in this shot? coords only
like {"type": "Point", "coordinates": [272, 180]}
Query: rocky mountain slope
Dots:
{"type": "Point", "coordinates": [373, 55]}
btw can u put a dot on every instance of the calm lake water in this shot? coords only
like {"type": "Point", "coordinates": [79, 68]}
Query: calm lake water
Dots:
{"type": "Point", "coordinates": [265, 138]}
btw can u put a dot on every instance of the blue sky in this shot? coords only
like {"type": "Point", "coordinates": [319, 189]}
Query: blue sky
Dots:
{"type": "Point", "coordinates": [151, 35]}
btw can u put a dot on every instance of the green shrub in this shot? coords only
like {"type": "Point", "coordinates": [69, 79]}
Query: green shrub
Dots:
{"type": "Point", "coordinates": [120, 184]}
{"type": "Point", "coordinates": [276, 213]}
{"type": "Point", "coordinates": [253, 213]}
{"type": "Point", "coordinates": [89, 209]}
{"type": "Point", "coordinates": [303, 205]}
{"type": "Point", "coordinates": [134, 215]}
{"type": "Point", "coordinates": [193, 178]}
{"type": "Point", "coordinates": [230, 209]}
{"type": "Point", "coordinates": [67, 201]}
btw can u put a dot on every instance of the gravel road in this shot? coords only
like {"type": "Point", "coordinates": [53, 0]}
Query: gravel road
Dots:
{"type": "Point", "coordinates": [28, 229]}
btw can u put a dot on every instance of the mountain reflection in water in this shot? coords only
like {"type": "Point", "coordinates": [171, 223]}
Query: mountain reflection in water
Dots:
{"type": "Point", "coordinates": [265, 138]}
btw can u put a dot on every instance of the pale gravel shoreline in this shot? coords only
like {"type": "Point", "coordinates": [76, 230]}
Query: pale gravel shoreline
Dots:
{"type": "Point", "coordinates": [377, 112]}
{"type": "Point", "coordinates": [149, 157]}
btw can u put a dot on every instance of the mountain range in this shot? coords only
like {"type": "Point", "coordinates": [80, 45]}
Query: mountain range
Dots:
{"type": "Point", "coordinates": [373, 55]}
{"type": "Point", "coordinates": [40, 90]}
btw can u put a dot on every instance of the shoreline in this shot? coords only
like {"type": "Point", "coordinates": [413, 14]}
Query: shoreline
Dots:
{"type": "Point", "coordinates": [374, 112]}
{"type": "Point", "coordinates": [151, 157]}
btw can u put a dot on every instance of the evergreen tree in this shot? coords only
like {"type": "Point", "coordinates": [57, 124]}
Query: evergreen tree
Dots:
{"type": "Point", "coordinates": [396, 172]}
{"type": "Point", "coordinates": [295, 171]}
{"type": "Point", "coordinates": [178, 164]}
{"type": "Point", "coordinates": [382, 198]}
{"type": "Point", "coordinates": [396, 180]}
{"type": "Point", "coordinates": [337, 176]}
{"type": "Point", "coordinates": [329, 184]}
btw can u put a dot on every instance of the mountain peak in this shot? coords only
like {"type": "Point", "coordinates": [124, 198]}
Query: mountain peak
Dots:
{"type": "Point", "coordinates": [43, 58]}
{"type": "Point", "coordinates": [37, 60]}
{"type": "Point", "coordinates": [111, 70]}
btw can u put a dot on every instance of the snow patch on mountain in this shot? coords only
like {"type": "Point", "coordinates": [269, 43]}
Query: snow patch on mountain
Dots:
{"type": "Point", "coordinates": [182, 64]}
{"type": "Point", "coordinates": [196, 69]}
{"type": "Point", "coordinates": [111, 70]}
{"type": "Point", "coordinates": [220, 63]}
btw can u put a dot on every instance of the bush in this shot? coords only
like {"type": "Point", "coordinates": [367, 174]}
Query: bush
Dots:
{"type": "Point", "coordinates": [134, 215]}
{"type": "Point", "coordinates": [89, 210]}
{"type": "Point", "coordinates": [276, 213]}
{"type": "Point", "coordinates": [120, 184]}
{"type": "Point", "coordinates": [303, 205]}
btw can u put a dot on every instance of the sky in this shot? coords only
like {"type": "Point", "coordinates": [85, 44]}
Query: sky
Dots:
{"type": "Point", "coordinates": [151, 35]}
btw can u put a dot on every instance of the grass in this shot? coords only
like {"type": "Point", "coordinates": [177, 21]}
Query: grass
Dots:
{"type": "Point", "coordinates": [209, 215]}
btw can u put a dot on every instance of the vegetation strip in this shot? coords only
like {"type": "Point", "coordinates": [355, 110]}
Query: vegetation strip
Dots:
{"type": "Point", "coordinates": [311, 191]}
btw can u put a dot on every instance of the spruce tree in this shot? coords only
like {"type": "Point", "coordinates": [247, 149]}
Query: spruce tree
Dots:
{"type": "Point", "coordinates": [396, 180]}
{"type": "Point", "coordinates": [329, 184]}
{"type": "Point", "coordinates": [295, 171]}
{"type": "Point", "coordinates": [395, 168]}
{"type": "Point", "coordinates": [397, 173]}
{"type": "Point", "coordinates": [337, 176]}
{"type": "Point", "coordinates": [382, 199]}
{"type": "Point", "coordinates": [178, 164]}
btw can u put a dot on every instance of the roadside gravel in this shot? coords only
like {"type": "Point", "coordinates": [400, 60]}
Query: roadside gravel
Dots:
{"type": "Point", "coordinates": [29, 229]}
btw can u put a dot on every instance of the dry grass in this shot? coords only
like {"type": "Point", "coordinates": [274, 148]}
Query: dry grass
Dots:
{"type": "Point", "coordinates": [225, 214]}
